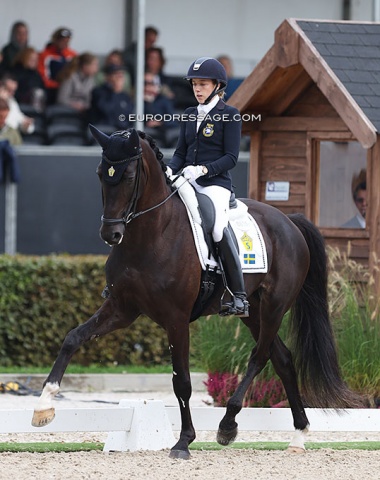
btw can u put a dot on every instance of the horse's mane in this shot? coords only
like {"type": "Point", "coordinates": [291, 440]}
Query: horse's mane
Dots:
{"type": "Point", "coordinates": [156, 150]}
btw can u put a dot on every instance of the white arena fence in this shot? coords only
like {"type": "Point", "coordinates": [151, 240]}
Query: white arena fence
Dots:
{"type": "Point", "coordinates": [149, 425]}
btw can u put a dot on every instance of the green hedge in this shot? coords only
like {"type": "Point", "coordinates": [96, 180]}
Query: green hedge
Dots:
{"type": "Point", "coordinates": [43, 298]}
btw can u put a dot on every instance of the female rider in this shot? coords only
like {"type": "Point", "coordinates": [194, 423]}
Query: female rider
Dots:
{"type": "Point", "coordinates": [207, 149]}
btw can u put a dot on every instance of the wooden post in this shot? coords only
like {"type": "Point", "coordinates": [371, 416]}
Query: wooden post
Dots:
{"type": "Point", "coordinates": [10, 227]}
{"type": "Point", "coordinates": [254, 166]}
{"type": "Point", "coordinates": [373, 221]}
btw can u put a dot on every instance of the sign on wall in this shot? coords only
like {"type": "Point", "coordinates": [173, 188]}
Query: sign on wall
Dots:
{"type": "Point", "coordinates": [277, 191]}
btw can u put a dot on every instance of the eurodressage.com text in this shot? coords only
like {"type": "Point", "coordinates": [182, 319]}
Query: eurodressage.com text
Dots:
{"type": "Point", "coordinates": [184, 117]}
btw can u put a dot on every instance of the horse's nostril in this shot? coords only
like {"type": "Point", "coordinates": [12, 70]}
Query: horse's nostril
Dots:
{"type": "Point", "coordinates": [111, 237]}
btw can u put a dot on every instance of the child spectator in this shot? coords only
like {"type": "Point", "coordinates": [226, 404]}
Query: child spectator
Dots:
{"type": "Point", "coordinates": [7, 132]}
{"type": "Point", "coordinates": [15, 118]}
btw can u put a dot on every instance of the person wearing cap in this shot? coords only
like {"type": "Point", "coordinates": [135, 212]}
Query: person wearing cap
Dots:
{"type": "Point", "coordinates": [111, 106]}
{"type": "Point", "coordinates": [207, 149]}
{"type": "Point", "coordinates": [53, 58]}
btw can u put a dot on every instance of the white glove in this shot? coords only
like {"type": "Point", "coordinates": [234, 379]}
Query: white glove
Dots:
{"type": "Point", "coordinates": [192, 172]}
{"type": "Point", "coordinates": [168, 172]}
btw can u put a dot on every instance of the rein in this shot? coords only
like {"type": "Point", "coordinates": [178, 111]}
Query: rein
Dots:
{"type": "Point", "coordinates": [127, 218]}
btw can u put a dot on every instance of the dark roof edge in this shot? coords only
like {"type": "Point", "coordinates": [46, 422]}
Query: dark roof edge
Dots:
{"type": "Point", "coordinates": [369, 138]}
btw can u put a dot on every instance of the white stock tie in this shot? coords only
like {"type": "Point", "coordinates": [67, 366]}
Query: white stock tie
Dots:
{"type": "Point", "coordinates": [202, 112]}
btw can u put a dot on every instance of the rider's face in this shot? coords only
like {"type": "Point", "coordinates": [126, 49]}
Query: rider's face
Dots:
{"type": "Point", "coordinates": [202, 88]}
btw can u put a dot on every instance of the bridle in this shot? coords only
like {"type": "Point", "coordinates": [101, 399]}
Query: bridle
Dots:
{"type": "Point", "coordinates": [131, 213]}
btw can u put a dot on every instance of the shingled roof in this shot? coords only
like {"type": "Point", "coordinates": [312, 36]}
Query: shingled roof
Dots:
{"type": "Point", "coordinates": [352, 50]}
{"type": "Point", "coordinates": [342, 58]}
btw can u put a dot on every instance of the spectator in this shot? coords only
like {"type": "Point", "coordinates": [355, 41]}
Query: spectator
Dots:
{"type": "Point", "coordinates": [110, 104]}
{"type": "Point", "coordinates": [16, 118]}
{"type": "Point", "coordinates": [77, 80]}
{"type": "Point", "coordinates": [18, 41]}
{"type": "Point", "coordinates": [154, 63]}
{"type": "Point", "coordinates": [158, 111]}
{"type": "Point", "coordinates": [360, 200]}
{"type": "Point", "coordinates": [115, 57]}
{"type": "Point", "coordinates": [151, 36]}
{"type": "Point", "coordinates": [31, 89]}
{"type": "Point", "coordinates": [7, 132]}
{"type": "Point", "coordinates": [53, 58]}
{"type": "Point", "coordinates": [233, 82]}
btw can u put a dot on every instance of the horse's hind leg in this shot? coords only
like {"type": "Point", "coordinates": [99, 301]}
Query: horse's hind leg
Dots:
{"type": "Point", "coordinates": [264, 325]}
{"type": "Point", "coordinates": [228, 428]}
{"type": "Point", "coordinates": [283, 365]}
{"type": "Point", "coordinates": [105, 320]}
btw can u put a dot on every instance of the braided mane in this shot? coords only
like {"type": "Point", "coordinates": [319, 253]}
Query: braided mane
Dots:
{"type": "Point", "coordinates": [156, 150]}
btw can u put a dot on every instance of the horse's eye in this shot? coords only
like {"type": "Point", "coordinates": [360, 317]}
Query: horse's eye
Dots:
{"type": "Point", "coordinates": [130, 178]}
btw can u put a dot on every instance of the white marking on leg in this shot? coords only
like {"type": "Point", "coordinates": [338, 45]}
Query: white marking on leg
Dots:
{"type": "Point", "coordinates": [48, 393]}
{"type": "Point", "coordinates": [298, 441]}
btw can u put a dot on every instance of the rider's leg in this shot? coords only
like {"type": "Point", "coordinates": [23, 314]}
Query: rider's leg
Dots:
{"type": "Point", "coordinates": [231, 263]}
{"type": "Point", "coordinates": [227, 251]}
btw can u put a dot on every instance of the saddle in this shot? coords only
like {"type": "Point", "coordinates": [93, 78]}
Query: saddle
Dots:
{"type": "Point", "coordinates": [244, 231]}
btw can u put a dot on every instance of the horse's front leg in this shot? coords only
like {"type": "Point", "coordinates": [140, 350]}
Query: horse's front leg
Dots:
{"type": "Point", "coordinates": [179, 348]}
{"type": "Point", "coordinates": [105, 320]}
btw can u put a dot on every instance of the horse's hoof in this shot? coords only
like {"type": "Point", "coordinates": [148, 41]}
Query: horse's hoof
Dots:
{"type": "Point", "coordinates": [297, 450]}
{"type": "Point", "coordinates": [226, 437]}
{"type": "Point", "coordinates": [180, 454]}
{"type": "Point", "coordinates": [43, 417]}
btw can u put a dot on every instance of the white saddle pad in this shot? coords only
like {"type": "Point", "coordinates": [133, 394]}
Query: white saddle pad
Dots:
{"type": "Point", "coordinates": [252, 249]}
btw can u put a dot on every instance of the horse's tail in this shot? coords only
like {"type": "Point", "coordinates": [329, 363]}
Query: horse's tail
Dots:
{"type": "Point", "coordinates": [314, 351]}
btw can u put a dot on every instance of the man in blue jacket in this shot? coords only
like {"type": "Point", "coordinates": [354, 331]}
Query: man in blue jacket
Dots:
{"type": "Point", "coordinates": [110, 103]}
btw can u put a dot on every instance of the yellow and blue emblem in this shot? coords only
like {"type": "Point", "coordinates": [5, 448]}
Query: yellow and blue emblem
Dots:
{"type": "Point", "coordinates": [111, 171]}
{"type": "Point", "coordinates": [249, 258]}
{"type": "Point", "coordinates": [247, 241]}
{"type": "Point", "coordinates": [208, 131]}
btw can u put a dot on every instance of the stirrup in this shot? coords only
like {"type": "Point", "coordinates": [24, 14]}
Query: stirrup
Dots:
{"type": "Point", "coordinates": [238, 306]}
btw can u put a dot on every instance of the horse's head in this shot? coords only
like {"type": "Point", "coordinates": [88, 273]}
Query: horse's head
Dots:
{"type": "Point", "coordinates": [119, 174]}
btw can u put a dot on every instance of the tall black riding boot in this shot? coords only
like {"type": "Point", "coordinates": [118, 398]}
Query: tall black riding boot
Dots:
{"type": "Point", "coordinates": [228, 254]}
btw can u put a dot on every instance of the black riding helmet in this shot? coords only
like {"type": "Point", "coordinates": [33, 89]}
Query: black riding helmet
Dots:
{"type": "Point", "coordinates": [210, 68]}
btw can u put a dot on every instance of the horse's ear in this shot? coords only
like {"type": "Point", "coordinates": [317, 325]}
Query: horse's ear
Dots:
{"type": "Point", "coordinates": [99, 136]}
{"type": "Point", "coordinates": [134, 139]}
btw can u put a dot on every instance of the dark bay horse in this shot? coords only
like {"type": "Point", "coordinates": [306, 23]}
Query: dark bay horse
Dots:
{"type": "Point", "coordinates": [153, 269]}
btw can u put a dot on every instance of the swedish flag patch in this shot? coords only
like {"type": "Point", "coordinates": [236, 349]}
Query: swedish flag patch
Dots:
{"type": "Point", "coordinates": [249, 258]}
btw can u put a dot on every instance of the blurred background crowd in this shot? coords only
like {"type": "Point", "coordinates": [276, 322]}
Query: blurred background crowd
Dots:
{"type": "Point", "coordinates": [48, 97]}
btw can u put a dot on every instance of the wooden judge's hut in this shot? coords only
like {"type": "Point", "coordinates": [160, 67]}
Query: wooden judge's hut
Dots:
{"type": "Point", "coordinates": [311, 108]}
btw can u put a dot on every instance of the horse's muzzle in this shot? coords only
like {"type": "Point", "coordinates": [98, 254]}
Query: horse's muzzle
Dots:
{"type": "Point", "coordinates": [112, 232]}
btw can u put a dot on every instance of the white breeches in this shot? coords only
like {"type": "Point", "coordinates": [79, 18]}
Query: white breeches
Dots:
{"type": "Point", "coordinates": [220, 197]}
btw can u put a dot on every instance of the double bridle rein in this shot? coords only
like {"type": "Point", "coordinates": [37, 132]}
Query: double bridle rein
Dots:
{"type": "Point", "coordinates": [131, 213]}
